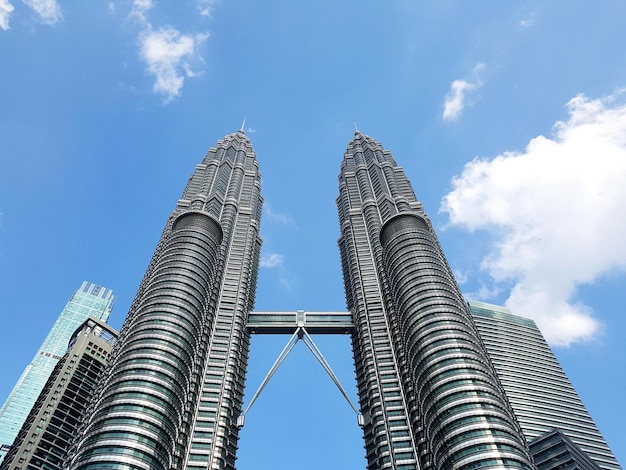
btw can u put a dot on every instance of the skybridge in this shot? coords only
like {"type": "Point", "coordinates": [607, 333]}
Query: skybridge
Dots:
{"type": "Point", "coordinates": [300, 325]}
{"type": "Point", "coordinates": [329, 323]}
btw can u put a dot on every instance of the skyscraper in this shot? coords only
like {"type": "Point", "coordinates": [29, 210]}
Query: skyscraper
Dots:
{"type": "Point", "coordinates": [90, 300]}
{"type": "Point", "coordinates": [553, 450]}
{"type": "Point", "coordinates": [424, 379]}
{"type": "Point", "coordinates": [45, 437]}
{"type": "Point", "coordinates": [538, 389]}
{"type": "Point", "coordinates": [174, 388]}
{"type": "Point", "coordinates": [173, 391]}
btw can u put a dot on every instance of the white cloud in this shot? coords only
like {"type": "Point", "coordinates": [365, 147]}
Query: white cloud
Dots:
{"type": "Point", "coordinates": [457, 97]}
{"type": "Point", "coordinates": [168, 54]}
{"type": "Point", "coordinates": [49, 11]}
{"type": "Point", "coordinates": [5, 11]}
{"type": "Point", "coordinates": [555, 212]}
{"type": "Point", "coordinates": [271, 260]}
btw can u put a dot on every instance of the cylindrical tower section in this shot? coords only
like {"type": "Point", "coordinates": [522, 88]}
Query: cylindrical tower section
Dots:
{"type": "Point", "coordinates": [139, 414]}
{"type": "Point", "coordinates": [466, 419]}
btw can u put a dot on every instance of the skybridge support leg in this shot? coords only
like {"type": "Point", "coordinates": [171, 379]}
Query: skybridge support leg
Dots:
{"type": "Point", "coordinates": [300, 334]}
{"type": "Point", "coordinates": [279, 360]}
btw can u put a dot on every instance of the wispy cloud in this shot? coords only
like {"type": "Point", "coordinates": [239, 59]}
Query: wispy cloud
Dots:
{"type": "Point", "coordinates": [287, 283]}
{"type": "Point", "coordinates": [527, 22]}
{"type": "Point", "coordinates": [460, 91]}
{"type": "Point", "coordinates": [206, 7]}
{"type": "Point", "coordinates": [552, 211]}
{"type": "Point", "coordinates": [271, 260]}
{"type": "Point", "coordinates": [48, 11]}
{"type": "Point", "coordinates": [140, 8]}
{"type": "Point", "coordinates": [461, 277]}
{"type": "Point", "coordinates": [277, 217]}
{"type": "Point", "coordinates": [5, 12]}
{"type": "Point", "coordinates": [168, 55]}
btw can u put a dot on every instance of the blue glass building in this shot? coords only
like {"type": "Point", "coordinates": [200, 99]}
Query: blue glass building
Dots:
{"type": "Point", "coordinates": [47, 433]}
{"type": "Point", "coordinates": [90, 300]}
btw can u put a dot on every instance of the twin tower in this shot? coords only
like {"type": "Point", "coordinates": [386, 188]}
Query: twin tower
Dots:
{"type": "Point", "coordinates": [173, 391]}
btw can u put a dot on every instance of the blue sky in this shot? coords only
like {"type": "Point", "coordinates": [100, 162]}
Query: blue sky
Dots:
{"type": "Point", "coordinates": [508, 117]}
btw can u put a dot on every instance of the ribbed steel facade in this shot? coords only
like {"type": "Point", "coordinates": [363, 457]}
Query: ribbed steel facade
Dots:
{"type": "Point", "coordinates": [426, 385]}
{"type": "Point", "coordinates": [174, 388]}
{"type": "Point", "coordinates": [538, 389]}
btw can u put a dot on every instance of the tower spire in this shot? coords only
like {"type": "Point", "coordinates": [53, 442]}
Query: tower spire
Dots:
{"type": "Point", "coordinates": [356, 129]}
{"type": "Point", "coordinates": [243, 125]}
